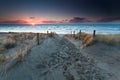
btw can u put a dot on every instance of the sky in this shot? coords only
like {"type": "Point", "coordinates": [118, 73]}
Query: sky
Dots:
{"type": "Point", "coordinates": [59, 11]}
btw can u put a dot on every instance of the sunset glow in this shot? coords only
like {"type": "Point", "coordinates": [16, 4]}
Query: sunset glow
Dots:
{"type": "Point", "coordinates": [32, 23]}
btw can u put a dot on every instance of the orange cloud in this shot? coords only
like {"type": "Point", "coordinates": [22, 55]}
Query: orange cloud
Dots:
{"type": "Point", "coordinates": [14, 22]}
{"type": "Point", "coordinates": [49, 22]}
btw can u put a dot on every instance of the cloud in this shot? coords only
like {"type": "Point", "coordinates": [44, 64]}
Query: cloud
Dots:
{"type": "Point", "coordinates": [94, 20]}
{"type": "Point", "coordinates": [72, 20]}
{"type": "Point", "coordinates": [32, 17]}
{"type": "Point", "coordinates": [49, 22]}
{"type": "Point", "coordinates": [108, 19]}
{"type": "Point", "coordinates": [79, 20]}
{"type": "Point", "coordinates": [14, 22]}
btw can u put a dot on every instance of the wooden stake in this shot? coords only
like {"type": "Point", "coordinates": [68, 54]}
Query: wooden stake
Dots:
{"type": "Point", "coordinates": [38, 39]}
{"type": "Point", "coordinates": [47, 32]}
{"type": "Point", "coordinates": [94, 33]}
{"type": "Point", "coordinates": [71, 33]}
{"type": "Point", "coordinates": [79, 34]}
{"type": "Point", "coordinates": [74, 34]}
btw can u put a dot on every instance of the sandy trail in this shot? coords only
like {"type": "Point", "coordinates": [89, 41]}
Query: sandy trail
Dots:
{"type": "Point", "coordinates": [54, 59]}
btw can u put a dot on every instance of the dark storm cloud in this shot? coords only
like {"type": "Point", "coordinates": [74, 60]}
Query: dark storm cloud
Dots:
{"type": "Point", "coordinates": [79, 20]}
{"type": "Point", "coordinates": [32, 17]}
{"type": "Point", "coordinates": [49, 22]}
{"type": "Point", "coordinates": [108, 19]}
{"type": "Point", "coordinates": [95, 20]}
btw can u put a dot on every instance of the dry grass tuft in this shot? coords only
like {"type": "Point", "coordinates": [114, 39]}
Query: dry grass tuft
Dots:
{"type": "Point", "coordinates": [20, 55]}
{"type": "Point", "coordinates": [52, 34]}
{"type": "Point", "coordinates": [42, 36]}
{"type": "Point", "coordinates": [10, 43]}
{"type": "Point", "coordinates": [21, 36]}
{"type": "Point", "coordinates": [83, 35]}
{"type": "Point", "coordinates": [2, 49]}
{"type": "Point", "coordinates": [2, 58]}
{"type": "Point", "coordinates": [28, 48]}
{"type": "Point", "coordinates": [87, 40]}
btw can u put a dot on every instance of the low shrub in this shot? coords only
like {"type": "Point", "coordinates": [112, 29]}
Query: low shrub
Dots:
{"type": "Point", "coordinates": [9, 45]}
{"type": "Point", "coordinates": [2, 58]}
{"type": "Point", "coordinates": [2, 49]}
{"type": "Point", "coordinates": [20, 55]}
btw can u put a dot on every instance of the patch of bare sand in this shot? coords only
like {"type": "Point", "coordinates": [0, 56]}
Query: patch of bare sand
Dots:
{"type": "Point", "coordinates": [55, 59]}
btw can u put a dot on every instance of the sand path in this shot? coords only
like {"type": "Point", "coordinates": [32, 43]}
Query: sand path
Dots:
{"type": "Point", "coordinates": [54, 59]}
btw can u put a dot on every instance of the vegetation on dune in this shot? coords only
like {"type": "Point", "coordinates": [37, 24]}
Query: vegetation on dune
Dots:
{"type": "Point", "coordinates": [52, 34]}
{"type": "Point", "coordinates": [109, 39]}
{"type": "Point", "coordinates": [106, 39]}
{"type": "Point", "coordinates": [11, 40]}
{"type": "Point", "coordinates": [2, 58]}
{"type": "Point", "coordinates": [88, 39]}
{"type": "Point", "coordinates": [20, 55]}
{"type": "Point", "coordinates": [9, 45]}
{"type": "Point", "coordinates": [2, 49]}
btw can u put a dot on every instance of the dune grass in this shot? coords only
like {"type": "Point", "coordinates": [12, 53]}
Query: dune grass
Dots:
{"type": "Point", "coordinates": [52, 34]}
{"type": "Point", "coordinates": [20, 55]}
{"type": "Point", "coordinates": [2, 58]}
{"type": "Point", "coordinates": [88, 39]}
{"type": "Point", "coordinates": [14, 39]}
{"type": "Point", "coordinates": [2, 55]}
{"type": "Point", "coordinates": [11, 40]}
{"type": "Point", "coordinates": [2, 49]}
{"type": "Point", "coordinates": [109, 39]}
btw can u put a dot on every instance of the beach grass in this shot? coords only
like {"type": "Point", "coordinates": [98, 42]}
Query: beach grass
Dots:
{"type": "Point", "coordinates": [109, 39]}
{"type": "Point", "coordinates": [12, 40]}
{"type": "Point", "coordinates": [52, 34]}
{"type": "Point", "coordinates": [20, 55]}
{"type": "Point", "coordinates": [2, 49]}
{"type": "Point", "coordinates": [88, 39]}
{"type": "Point", "coordinates": [2, 58]}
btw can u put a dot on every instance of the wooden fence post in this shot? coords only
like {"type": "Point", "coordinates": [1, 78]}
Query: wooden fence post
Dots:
{"type": "Point", "coordinates": [47, 32]}
{"type": "Point", "coordinates": [79, 34]}
{"type": "Point", "coordinates": [71, 33]}
{"type": "Point", "coordinates": [94, 33]}
{"type": "Point", "coordinates": [74, 34]}
{"type": "Point", "coordinates": [38, 39]}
